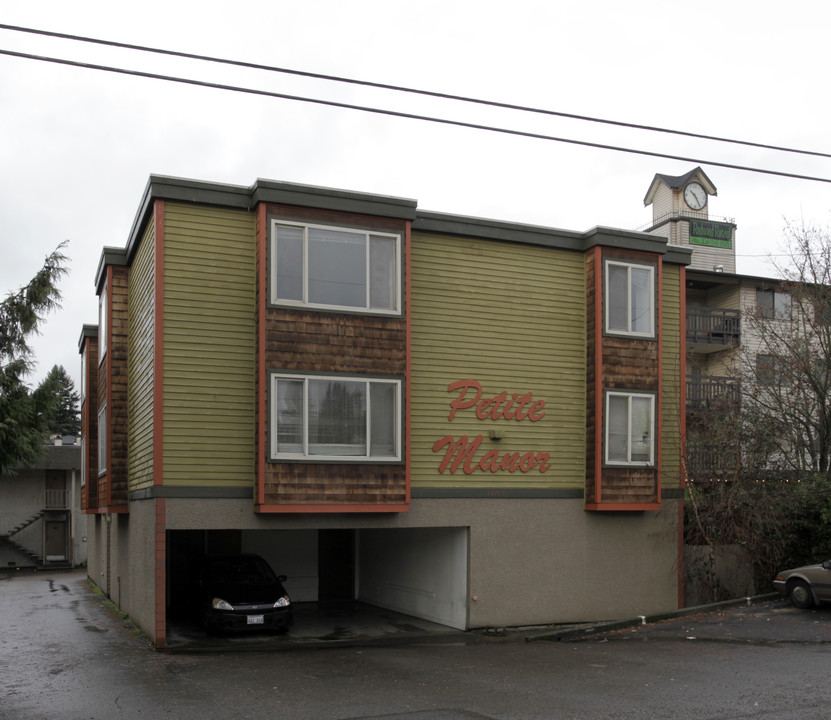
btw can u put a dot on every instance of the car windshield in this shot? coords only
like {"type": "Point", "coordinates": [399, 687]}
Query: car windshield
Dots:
{"type": "Point", "coordinates": [241, 571]}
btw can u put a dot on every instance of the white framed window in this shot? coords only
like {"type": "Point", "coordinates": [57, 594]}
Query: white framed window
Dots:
{"type": "Point", "coordinates": [630, 428]}
{"type": "Point", "coordinates": [84, 374]}
{"type": "Point", "coordinates": [630, 299]}
{"type": "Point", "coordinates": [102, 325]}
{"type": "Point", "coordinates": [335, 418]}
{"type": "Point", "coordinates": [329, 267]}
{"type": "Point", "coordinates": [102, 440]}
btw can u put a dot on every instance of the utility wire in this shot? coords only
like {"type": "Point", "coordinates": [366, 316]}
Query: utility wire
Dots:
{"type": "Point", "coordinates": [414, 91]}
{"type": "Point", "coordinates": [410, 116]}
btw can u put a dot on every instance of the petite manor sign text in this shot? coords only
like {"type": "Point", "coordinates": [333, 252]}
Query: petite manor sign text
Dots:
{"type": "Point", "coordinates": [463, 453]}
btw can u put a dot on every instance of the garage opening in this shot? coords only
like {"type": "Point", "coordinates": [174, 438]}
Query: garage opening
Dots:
{"type": "Point", "coordinates": [415, 571]}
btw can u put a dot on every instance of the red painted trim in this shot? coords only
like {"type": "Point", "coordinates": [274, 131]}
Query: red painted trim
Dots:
{"type": "Point", "coordinates": [623, 506]}
{"type": "Point", "coordinates": [683, 427]}
{"type": "Point", "coordinates": [261, 446]}
{"type": "Point", "coordinates": [160, 573]}
{"type": "Point", "coordinates": [598, 376]}
{"type": "Point", "coordinates": [408, 367]}
{"type": "Point", "coordinates": [345, 508]}
{"type": "Point", "coordinates": [659, 409]}
{"type": "Point", "coordinates": [108, 365]}
{"type": "Point", "coordinates": [158, 345]}
{"type": "Point", "coordinates": [683, 379]}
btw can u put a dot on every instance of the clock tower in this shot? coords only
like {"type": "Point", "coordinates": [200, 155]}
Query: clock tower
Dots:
{"type": "Point", "coordinates": [680, 212]}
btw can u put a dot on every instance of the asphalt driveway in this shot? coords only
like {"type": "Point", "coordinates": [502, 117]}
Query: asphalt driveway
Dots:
{"type": "Point", "coordinates": [67, 655]}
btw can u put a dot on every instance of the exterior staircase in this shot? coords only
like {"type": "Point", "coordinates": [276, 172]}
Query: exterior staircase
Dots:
{"type": "Point", "coordinates": [7, 538]}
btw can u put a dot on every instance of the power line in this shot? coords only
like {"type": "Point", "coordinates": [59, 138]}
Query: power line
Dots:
{"type": "Point", "coordinates": [409, 116]}
{"type": "Point", "coordinates": [404, 89]}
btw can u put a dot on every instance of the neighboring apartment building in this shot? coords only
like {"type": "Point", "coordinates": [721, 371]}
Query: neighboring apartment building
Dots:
{"type": "Point", "coordinates": [41, 523]}
{"type": "Point", "coordinates": [471, 421]}
{"type": "Point", "coordinates": [722, 345]}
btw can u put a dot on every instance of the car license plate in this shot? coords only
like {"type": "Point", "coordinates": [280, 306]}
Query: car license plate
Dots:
{"type": "Point", "coordinates": [255, 619]}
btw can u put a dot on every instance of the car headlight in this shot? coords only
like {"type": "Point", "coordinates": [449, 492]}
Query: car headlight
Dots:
{"type": "Point", "coordinates": [220, 604]}
{"type": "Point", "coordinates": [283, 602]}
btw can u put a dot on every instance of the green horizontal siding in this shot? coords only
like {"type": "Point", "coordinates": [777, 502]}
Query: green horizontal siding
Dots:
{"type": "Point", "coordinates": [140, 364]}
{"type": "Point", "coordinates": [209, 346]}
{"type": "Point", "coordinates": [671, 361]}
{"type": "Point", "coordinates": [511, 317]}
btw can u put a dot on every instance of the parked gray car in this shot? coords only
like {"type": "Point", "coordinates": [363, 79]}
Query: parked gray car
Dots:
{"type": "Point", "coordinates": [805, 586]}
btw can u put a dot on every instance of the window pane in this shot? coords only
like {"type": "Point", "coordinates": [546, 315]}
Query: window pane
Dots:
{"type": "Point", "coordinates": [337, 417]}
{"type": "Point", "coordinates": [382, 420]}
{"type": "Point", "coordinates": [337, 268]}
{"type": "Point", "coordinates": [618, 424]}
{"type": "Point", "coordinates": [289, 250]}
{"type": "Point", "coordinates": [102, 439]}
{"type": "Point", "coordinates": [617, 300]}
{"type": "Point", "coordinates": [764, 303]}
{"type": "Point", "coordinates": [641, 429]}
{"type": "Point", "coordinates": [641, 298]}
{"type": "Point", "coordinates": [382, 280]}
{"type": "Point", "coordinates": [289, 416]}
{"type": "Point", "coordinates": [782, 302]}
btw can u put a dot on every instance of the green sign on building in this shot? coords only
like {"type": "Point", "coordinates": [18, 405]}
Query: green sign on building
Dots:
{"type": "Point", "coordinates": [711, 234]}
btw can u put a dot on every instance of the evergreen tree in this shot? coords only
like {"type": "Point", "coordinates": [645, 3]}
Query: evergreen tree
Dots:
{"type": "Point", "coordinates": [65, 418]}
{"type": "Point", "coordinates": [24, 413]}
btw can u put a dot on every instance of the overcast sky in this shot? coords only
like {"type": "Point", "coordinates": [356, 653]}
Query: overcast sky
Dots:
{"type": "Point", "coordinates": [77, 145]}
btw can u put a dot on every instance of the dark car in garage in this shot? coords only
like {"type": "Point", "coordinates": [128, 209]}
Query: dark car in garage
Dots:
{"type": "Point", "coordinates": [240, 592]}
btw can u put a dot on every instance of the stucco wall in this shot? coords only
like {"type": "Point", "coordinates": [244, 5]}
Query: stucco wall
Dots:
{"type": "Point", "coordinates": [532, 561]}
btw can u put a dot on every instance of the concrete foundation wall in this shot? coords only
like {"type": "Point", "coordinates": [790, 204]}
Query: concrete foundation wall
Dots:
{"type": "Point", "coordinates": [97, 550]}
{"type": "Point", "coordinates": [554, 561]}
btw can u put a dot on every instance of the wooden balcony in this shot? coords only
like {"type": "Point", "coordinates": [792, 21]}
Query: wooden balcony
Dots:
{"type": "Point", "coordinates": [56, 499]}
{"type": "Point", "coordinates": [705, 390]}
{"type": "Point", "coordinates": [720, 327]}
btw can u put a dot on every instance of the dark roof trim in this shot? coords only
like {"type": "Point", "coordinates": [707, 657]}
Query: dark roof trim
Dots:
{"type": "Point", "coordinates": [548, 237]}
{"type": "Point", "coordinates": [733, 278]}
{"type": "Point", "coordinates": [270, 191]}
{"type": "Point", "coordinates": [162, 187]}
{"type": "Point", "coordinates": [330, 199]}
{"type": "Point", "coordinates": [446, 224]}
{"type": "Point", "coordinates": [87, 332]}
{"type": "Point", "coordinates": [109, 256]}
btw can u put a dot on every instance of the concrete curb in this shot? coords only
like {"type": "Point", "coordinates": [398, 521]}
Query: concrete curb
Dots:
{"type": "Point", "coordinates": [573, 632]}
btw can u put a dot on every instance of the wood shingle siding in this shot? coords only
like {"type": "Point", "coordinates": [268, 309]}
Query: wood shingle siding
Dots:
{"type": "Point", "coordinates": [89, 424]}
{"type": "Point", "coordinates": [626, 363]}
{"type": "Point", "coordinates": [209, 346]}
{"type": "Point", "coordinates": [349, 343]}
{"type": "Point", "coordinates": [117, 407]}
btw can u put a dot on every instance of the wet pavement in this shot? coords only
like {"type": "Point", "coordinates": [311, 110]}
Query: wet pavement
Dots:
{"type": "Point", "coordinates": [67, 654]}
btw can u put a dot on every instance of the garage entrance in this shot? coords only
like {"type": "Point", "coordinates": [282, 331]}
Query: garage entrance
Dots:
{"type": "Point", "coordinates": [416, 571]}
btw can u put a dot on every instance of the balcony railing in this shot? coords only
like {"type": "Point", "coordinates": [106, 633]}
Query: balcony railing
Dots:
{"type": "Point", "coordinates": [56, 499]}
{"type": "Point", "coordinates": [714, 326]}
{"type": "Point", "coordinates": [704, 390]}
{"type": "Point", "coordinates": [710, 464]}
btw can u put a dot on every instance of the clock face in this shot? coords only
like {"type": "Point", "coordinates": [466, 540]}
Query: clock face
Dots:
{"type": "Point", "coordinates": [695, 196]}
